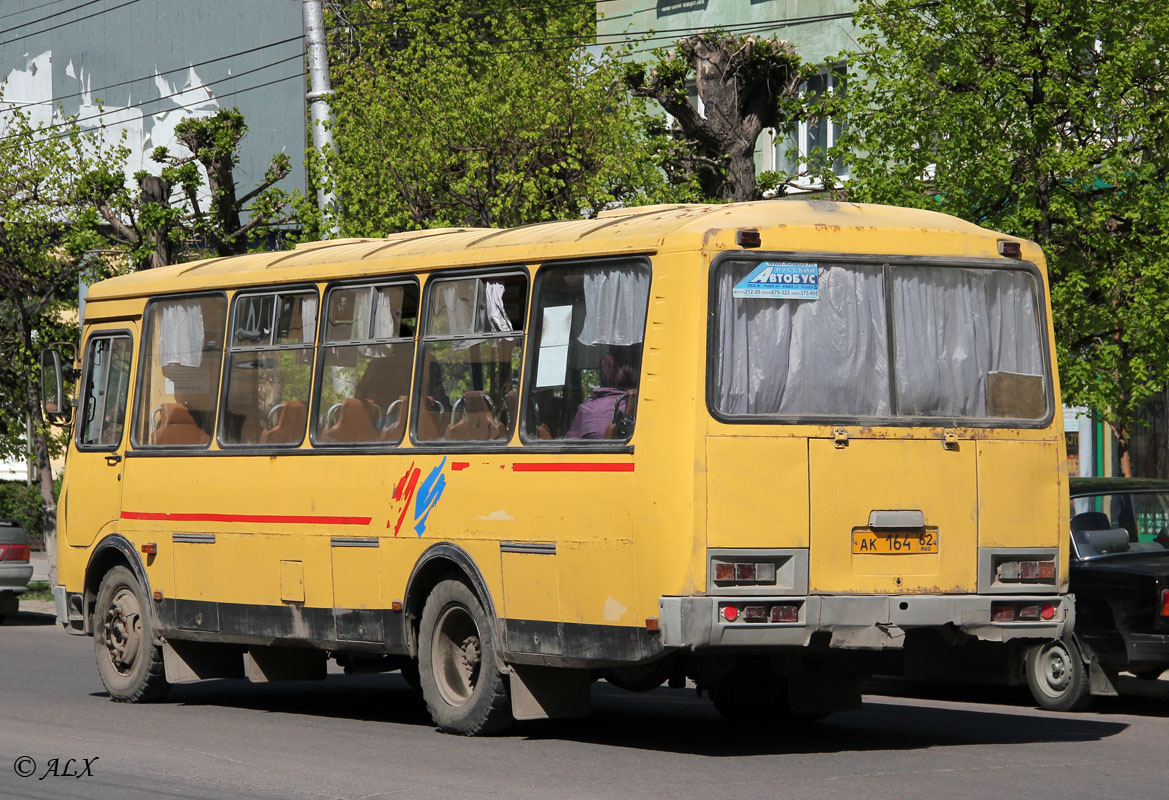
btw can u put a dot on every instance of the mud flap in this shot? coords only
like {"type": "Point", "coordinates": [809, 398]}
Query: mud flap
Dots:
{"type": "Point", "coordinates": [549, 692]}
{"type": "Point", "coordinates": [1101, 681]}
{"type": "Point", "coordinates": [187, 662]}
{"type": "Point", "coordinates": [823, 694]}
{"type": "Point", "coordinates": [265, 664]}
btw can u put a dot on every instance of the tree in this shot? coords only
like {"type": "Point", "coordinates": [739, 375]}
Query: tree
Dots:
{"type": "Point", "coordinates": [161, 221]}
{"type": "Point", "coordinates": [745, 84]}
{"type": "Point", "coordinates": [481, 113]}
{"type": "Point", "coordinates": [1045, 119]}
{"type": "Point", "coordinates": [46, 241]}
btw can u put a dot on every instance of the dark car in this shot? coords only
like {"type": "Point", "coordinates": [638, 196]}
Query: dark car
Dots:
{"type": "Point", "coordinates": [15, 570]}
{"type": "Point", "coordinates": [1119, 574]}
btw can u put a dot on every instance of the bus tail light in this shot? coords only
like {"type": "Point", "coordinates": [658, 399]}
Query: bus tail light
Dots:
{"type": "Point", "coordinates": [754, 614]}
{"type": "Point", "coordinates": [1027, 571]}
{"type": "Point", "coordinates": [730, 613]}
{"type": "Point", "coordinates": [1025, 611]}
{"type": "Point", "coordinates": [1165, 603]}
{"type": "Point", "coordinates": [762, 572]}
{"type": "Point", "coordinates": [785, 612]}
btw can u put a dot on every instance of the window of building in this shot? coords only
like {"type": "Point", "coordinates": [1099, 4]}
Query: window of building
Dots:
{"type": "Point", "coordinates": [589, 323]}
{"type": "Point", "coordinates": [179, 382]}
{"type": "Point", "coordinates": [367, 358]}
{"type": "Point", "coordinates": [269, 368]}
{"type": "Point", "coordinates": [472, 347]}
{"type": "Point", "coordinates": [801, 151]}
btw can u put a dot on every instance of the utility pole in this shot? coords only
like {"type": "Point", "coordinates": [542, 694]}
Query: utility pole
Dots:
{"type": "Point", "coordinates": [320, 90]}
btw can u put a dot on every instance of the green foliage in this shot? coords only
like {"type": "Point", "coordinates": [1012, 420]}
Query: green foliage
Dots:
{"type": "Point", "coordinates": [482, 113]}
{"type": "Point", "coordinates": [1043, 119]}
{"type": "Point", "coordinates": [47, 240]}
{"type": "Point", "coordinates": [164, 220]}
{"type": "Point", "coordinates": [22, 503]}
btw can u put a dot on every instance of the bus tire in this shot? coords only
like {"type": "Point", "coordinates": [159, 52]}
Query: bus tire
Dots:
{"type": "Point", "coordinates": [1057, 676]}
{"type": "Point", "coordinates": [128, 660]}
{"type": "Point", "coordinates": [464, 691]}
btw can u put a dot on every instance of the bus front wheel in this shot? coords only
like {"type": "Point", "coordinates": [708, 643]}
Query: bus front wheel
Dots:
{"type": "Point", "coordinates": [128, 660]}
{"type": "Point", "coordinates": [464, 691]}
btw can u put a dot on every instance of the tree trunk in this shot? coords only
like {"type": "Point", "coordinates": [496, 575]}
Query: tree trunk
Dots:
{"type": "Point", "coordinates": [40, 448]}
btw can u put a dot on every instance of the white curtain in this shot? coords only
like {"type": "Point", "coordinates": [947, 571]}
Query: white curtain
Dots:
{"type": "Point", "coordinates": [453, 307]}
{"type": "Point", "coordinates": [823, 356]}
{"type": "Point", "coordinates": [615, 305]}
{"type": "Point", "coordinates": [952, 327]}
{"type": "Point", "coordinates": [180, 333]}
{"type": "Point", "coordinates": [496, 314]}
{"type": "Point", "coordinates": [388, 312]}
{"type": "Point", "coordinates": [308, 319]}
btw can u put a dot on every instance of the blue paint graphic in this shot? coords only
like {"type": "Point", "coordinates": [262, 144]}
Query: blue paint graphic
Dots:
{"type": "Point", "coordinates": [428, 496]}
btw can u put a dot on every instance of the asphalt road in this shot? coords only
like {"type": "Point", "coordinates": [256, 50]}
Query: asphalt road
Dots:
{"type": "Point", "coordinates": [369, 737]}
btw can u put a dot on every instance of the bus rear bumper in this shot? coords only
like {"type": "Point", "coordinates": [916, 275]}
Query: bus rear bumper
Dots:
{"type": "Point", "coordinates": [859, 623]}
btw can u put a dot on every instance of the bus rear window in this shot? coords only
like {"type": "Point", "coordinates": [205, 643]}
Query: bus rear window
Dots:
{"type": "Point", "coordinates": [806, 339]}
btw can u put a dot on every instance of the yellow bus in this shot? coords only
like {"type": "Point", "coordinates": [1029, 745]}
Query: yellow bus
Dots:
{"type": "Point", "coordinates": [767, 448]}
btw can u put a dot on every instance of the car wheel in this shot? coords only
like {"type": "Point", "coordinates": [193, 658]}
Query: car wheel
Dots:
{"type": "Point", "coordinates": [1058, 676]}
{"type": "Point", "coordinates": [464, 691]}
{"type": "Point", "coordinates": [128, 660]}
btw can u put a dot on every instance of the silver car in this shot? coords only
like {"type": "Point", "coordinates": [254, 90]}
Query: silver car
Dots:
{"type": "Point", "coordinates": [15, 569]}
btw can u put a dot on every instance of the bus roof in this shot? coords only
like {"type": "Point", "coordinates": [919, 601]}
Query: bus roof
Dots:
{"type": "Point", "coordinates": [812, 225]}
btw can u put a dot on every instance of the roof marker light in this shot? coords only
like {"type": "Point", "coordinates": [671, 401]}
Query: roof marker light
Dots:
{"type": "Point", "coordinates": [750, 239]}
{"type": "Point", "coordinates": [1010, 249]}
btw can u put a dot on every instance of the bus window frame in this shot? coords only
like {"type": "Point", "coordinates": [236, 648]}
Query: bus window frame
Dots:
{"type": "Point", "coordinates": [250, 291]}
{"type": "Point", "coordinates": [87, 364]}
{"type": "Point", "coordinates": [421, 340]}
{"type": "Point", "coordinates": [138, 380]}
{"type": "Point", "coordinates": [886, 261]}
{"type": "Point", "coordinates": [582, 445]}
{"type": "Point", "coordinates": [391, 279]}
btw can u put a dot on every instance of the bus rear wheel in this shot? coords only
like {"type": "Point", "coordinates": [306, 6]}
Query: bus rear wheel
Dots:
{"type": "Point", "coordinates": [464, 691]}
{"type": "Point", "coordinates": [1057, 676]}
{"type": "Point", "coordinates": [128, 660]}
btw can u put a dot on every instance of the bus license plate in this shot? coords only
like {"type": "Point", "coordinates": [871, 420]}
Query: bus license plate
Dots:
{"type": "Point", "coordinates": [899, 543]}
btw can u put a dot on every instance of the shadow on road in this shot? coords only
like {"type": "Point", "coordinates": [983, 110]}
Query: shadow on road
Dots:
{"type": "Point", "coordinates": [373, 698]}
{"type": "Point", "coordinates": [694, 728]}
{"type": "Point", "coordinates": [677, 721]}
{"type": "Point", "coordinates": [23, 618]}
{"type": "Point", "coordinates": [1146, 698]}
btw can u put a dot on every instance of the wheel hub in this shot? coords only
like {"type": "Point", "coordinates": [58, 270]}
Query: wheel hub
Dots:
{"type": "Point", "coordinates": [122, 630]}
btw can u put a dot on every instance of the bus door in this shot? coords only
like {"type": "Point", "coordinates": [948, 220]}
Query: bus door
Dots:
{"type": "Point", "coordinates": [93, 500]}
{"type": "Point", "coordinates": [892, 516]}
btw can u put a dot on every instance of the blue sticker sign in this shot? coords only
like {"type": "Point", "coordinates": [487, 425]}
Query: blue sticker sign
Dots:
{"type": "Point", "coordinates": [782, 281]}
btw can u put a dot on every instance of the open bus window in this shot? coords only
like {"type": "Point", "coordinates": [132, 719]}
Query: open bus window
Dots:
{"type": "Point", "coordinates": [269, 368]}
{"type": "Point", "coordinates": [472, 347]}
{"type": "Point", "coordinates": [179, 386]}
{"type": "Point", "coordinates": [590, 329]}
{"type": "Point", "coordinates": [367, 360]}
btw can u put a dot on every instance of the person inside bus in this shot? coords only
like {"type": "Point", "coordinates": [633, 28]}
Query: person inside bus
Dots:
{"type": "Point", "coordinates": [596, 414]}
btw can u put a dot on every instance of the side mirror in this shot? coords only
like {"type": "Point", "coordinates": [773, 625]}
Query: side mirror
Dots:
{"type": "Point", "coordinates": [56, 403]}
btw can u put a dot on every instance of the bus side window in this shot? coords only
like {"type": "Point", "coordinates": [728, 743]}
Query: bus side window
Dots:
{"type": "Point", "coordinates": [589, 323]}
{"type": "Point", "coordinates": [472, 348]}
{"type": "Point", "coordinates": [367, 358]}
{"type": "Point", "coordinates": [182, 351]}
{"type": "Point", "coordinates": [269, 368]}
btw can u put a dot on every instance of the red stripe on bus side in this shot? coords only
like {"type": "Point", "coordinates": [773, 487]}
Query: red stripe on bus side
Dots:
{"type": "Point", "coordinates": [562, 466]}
{"type": "Point", "coordinates": [258, 518]}
{"type": "Point", "coordinates": [459, 465]}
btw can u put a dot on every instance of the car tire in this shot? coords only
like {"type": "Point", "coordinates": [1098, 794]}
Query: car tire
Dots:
{"type": "Point", "coordinates": [9, 604]}
{"type": "Point", "coordinates": [1058, 676]}
{"type": "Point", "coordinates": [464, 691]}
{"type": "Point", "coordinates": [128, 660]}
